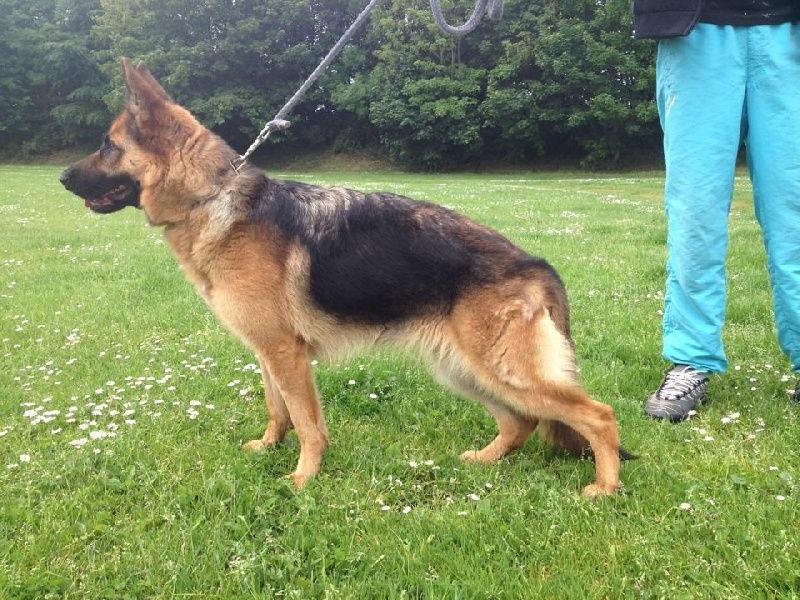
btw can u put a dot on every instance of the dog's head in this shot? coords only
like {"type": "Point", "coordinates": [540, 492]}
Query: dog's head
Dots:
{"type": "Point", "coordinates": [155, 156]}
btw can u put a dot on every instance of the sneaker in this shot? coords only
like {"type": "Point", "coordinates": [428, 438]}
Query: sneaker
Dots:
{"type": "Point", "coordinates": [796, 395]}
{"type": "Point", "coordinates": [683, 389]}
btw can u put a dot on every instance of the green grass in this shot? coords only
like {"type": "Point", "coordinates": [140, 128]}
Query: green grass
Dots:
{"type": "Point", "coordinates": [123, 404]}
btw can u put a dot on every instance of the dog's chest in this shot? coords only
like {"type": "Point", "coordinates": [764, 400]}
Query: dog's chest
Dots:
{"type": "Point", "coordinates": [195, 266]}
{"type": "Point", "coordinates": [237, 273]}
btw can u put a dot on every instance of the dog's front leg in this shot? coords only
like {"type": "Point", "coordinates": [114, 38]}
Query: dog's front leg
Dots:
{"type": "Point", "coordinates": [287, 365]}
{"type": "Point", "coordinates": [279, 420]}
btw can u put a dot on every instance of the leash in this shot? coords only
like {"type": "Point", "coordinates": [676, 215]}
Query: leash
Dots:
{"type": "Point", "coordinates": [492, 8]}
{"type": "Point", "coordinates": [279, 122]}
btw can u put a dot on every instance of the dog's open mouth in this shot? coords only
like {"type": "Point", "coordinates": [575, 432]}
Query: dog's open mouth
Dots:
{"type": "Point", "coordinates": [126, 193]}
{"type": "Point", "coordinates": [100, 192]}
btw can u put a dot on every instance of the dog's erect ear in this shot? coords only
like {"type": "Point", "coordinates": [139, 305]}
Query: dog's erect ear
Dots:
{"type": "Point", "coordinates": [142, 69]}
{"type": "Point", "coordinates": [145, 98]}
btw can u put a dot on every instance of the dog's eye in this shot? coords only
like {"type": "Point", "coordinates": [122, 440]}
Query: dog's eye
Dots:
{"type": "Point", "coordinates": [108, 147]}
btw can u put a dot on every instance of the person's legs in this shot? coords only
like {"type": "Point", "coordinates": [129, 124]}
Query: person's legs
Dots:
{"type": "Point", "coordinates": [700, 91]}
{"type": "Point", "coordinates": [773, 150]}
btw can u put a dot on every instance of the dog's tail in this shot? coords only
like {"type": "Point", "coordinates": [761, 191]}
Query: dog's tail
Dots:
{"type": "Point", "coordinates": [564, 437]}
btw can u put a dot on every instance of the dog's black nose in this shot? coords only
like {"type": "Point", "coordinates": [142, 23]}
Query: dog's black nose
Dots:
{"type": "Point", "coordinates": [65, 176]}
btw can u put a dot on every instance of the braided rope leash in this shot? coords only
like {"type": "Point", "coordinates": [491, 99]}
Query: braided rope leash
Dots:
{"type": "Point", "coordinates": [492, 8]}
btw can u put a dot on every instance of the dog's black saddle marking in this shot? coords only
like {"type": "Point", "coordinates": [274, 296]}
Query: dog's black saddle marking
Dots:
{"type": "Point", "coordinates": [381, 258]}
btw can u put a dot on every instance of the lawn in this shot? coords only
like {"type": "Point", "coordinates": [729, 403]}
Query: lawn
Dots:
{"type": "Point", "coordinates": [123, 405]}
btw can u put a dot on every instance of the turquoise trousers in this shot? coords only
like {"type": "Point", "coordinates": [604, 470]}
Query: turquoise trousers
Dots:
{"type": "Point", "coordinates": [717, 87]}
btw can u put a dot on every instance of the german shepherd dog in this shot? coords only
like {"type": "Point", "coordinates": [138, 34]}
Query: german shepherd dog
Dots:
{"type": "Point", "coordinates": [297, 270]}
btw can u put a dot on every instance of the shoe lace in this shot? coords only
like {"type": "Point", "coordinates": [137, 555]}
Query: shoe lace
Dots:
{"type": "Point", "coordinates": [680, 382]}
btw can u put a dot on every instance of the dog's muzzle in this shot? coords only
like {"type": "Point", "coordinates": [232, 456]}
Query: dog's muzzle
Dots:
{"type": "Point", "coordinates": [100, 192]}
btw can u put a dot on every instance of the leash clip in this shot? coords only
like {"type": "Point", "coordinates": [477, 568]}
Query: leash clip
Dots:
{"type": "Point", "coordinates": [274, 125]}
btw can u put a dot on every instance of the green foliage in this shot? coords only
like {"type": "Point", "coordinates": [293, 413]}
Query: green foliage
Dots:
{"type": "Point", "coordinates": [595, 81]}
{"type": "Point", "coordinates": [420, 96]}
{"type": "Point", "coordinates": [432, 122]}
{"type": "Point", "coordinates": [232, 63]}
{"type": "Point", "coordinates": [561, 78]}
{"type": "Point", "coordinates": [49, 80]}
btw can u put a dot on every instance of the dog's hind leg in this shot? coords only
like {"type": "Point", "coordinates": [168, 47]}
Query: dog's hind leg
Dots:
{"type": "Point", "coordinates": [595, 422]}
{"type": "Point", "coordinates": [535, 362]}
{"type": "Point", "coordinates": [513, 428]}
{"type": "Point", "coordinates": [279, 420]}
{"type": "Point", "coordinates": [290, 373]}
{"type": "Point", "coordinates": [522, 355]}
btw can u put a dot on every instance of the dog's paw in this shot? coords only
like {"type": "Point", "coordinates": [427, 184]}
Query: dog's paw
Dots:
{"type": "Point", "coordinates": [469, 456]}
{"type": "Point", "coordinates": [268, 441]}
{"type": "Point", "coordinates": [473, 456]}
{"type": "Point", "coordinates": [299, 479]}
{"type": "Point", "coordinates": [594, 490]}
{"type": "Point", "coordinates": [254, 445]}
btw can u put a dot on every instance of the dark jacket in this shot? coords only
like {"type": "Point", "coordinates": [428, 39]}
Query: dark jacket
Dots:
{"type": "Point", "coordinates": [664, 18]}
{"type": "Point", "coordinates": [671, 18]}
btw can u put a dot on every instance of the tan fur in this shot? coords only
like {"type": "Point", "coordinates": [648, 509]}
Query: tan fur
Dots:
{"type": "Point", "coordinates": [506, 347]}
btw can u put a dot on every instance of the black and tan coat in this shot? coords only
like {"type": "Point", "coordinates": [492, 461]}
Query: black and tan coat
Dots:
{"type": "Point", "coordinates": [297, 271]}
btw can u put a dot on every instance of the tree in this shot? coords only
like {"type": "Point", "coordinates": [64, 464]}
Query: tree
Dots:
{"type": "Point", "coordinates": [423, 93]}
{"type": "Point", "coordinates": [561, 78]}
{"type": "Point", "coordinates": [48, 78]}
{"type": "Point", "coordinates": [234, 63]}
{"type": "Point", "coordinates": [580, 81]}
